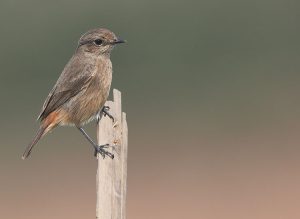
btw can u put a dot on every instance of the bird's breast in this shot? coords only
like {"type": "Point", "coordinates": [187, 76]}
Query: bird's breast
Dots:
{"type": "Point", "coordinates": [97, 92]}
{"type": "Point", "coordinates": [84, 106]}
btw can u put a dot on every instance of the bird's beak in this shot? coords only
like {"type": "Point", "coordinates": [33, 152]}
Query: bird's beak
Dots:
{"type": "Point", "coordinates": [118, 41]}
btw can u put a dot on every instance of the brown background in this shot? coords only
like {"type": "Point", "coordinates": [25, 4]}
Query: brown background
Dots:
{"type": "Point", "coordinates": [211, 90]}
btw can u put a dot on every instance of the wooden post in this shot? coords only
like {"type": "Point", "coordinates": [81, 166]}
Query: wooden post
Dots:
{"type": "Point", "coordinates": [112, 173]}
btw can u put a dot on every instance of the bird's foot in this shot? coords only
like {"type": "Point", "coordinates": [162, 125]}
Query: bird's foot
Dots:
{"type": "Point", "coordinates": [101, 150]}
{"type": "Point", "coordinates": [105, 112]}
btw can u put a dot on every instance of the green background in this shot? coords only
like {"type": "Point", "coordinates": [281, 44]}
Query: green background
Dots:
{"type": "Point", "coordinates": [211, 93]}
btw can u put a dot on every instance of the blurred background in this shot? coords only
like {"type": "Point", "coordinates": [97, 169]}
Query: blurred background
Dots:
{"type": "Point", "coordinates": [211, 92]}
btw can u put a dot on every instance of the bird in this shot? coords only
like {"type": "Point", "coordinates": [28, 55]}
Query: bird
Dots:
{"type": "Point", "coordinates": [81, 90]}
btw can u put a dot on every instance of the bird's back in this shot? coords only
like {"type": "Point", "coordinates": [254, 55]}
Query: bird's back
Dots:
{"type": "Point", "coordinates": [81, 90]}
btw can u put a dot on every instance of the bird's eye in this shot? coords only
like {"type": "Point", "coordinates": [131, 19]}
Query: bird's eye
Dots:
{"type": "Point", "coordinates": [98, 42]}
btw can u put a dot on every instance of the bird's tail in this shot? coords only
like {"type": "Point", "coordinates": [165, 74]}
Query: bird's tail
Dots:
{"type": "Point", "coordinates": [39, 134]}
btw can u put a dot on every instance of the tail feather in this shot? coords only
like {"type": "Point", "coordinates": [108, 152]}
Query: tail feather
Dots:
{"type": "Point", "coordinates": [37, 137]}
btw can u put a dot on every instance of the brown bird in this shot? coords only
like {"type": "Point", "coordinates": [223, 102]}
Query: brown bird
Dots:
{"type": "Point", "coordinates": [82, 88]}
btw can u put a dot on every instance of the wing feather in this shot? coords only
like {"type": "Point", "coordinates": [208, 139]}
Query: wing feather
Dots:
{"type": "Point", "coordinates": [74, 78]}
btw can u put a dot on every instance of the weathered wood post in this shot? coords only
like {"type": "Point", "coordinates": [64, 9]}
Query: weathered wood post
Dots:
{"type": "Point", "coordinates": [112, 173]}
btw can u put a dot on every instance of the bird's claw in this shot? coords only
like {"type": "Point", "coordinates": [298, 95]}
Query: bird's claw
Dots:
{"type": "Point", "coordinates": [105, 112]}
{"type": "Point", "coordinates": [101, 150]}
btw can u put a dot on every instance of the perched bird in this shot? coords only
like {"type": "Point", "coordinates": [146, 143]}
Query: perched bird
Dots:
{"type": "Point", "coordinates": [82, 88]}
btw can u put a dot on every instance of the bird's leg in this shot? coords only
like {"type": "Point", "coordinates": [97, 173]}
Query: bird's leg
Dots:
{"type": "Point", "coordinates": [99, 116]}
{"type": "Point", "coordinates": [98, 148]}
{"type": "Point", "coordinates": [105, 112]}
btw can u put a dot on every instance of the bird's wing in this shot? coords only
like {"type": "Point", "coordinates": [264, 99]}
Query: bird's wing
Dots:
{"type": "Point", "coordinates": [75, 78]}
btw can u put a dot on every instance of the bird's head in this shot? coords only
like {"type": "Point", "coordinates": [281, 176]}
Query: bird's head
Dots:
{"type": "Point", "coordinates": [98, 41]}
